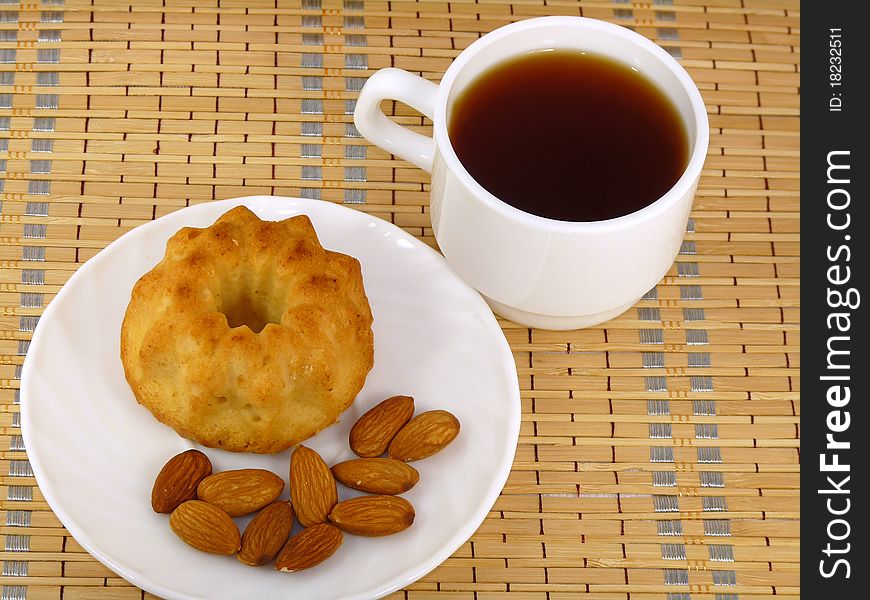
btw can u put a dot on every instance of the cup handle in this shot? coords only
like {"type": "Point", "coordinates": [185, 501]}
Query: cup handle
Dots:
{"type": "Point", "coordinates": [375, 126]}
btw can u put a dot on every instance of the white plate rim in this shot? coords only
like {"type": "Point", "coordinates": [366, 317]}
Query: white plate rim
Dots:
{"type": "Point", "coordinates": [142, 580]}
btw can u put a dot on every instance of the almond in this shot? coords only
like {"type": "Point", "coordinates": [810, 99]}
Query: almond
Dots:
{"type": "Point", "coordinates": [205, 527]}
{"type": "Point", "coordinates": [266, 534]}
{"type": "Point", "coordinates": [424, 435]}
{"type": "Point", "coordinates": [312, 487]}
{"type": "Point", "coordinates": [376, 475]}
{"type": "Point", "coordinates": [308, 548]}
{"type": "Point", "coordinates": [177, 480]}
{"type": "Point", "coordinates": [242, 491]}
{"type": "Point", "coordinates": [371, 435]}
{"type": "Point", "coordinates": [373, 515]}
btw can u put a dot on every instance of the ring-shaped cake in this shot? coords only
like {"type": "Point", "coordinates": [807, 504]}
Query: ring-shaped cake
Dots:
{"type": "Point", "coordinates": [248, 336]}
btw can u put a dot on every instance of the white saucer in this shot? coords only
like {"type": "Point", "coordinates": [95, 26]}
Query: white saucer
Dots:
{"type": "Point", "coordinates": [95, 451]}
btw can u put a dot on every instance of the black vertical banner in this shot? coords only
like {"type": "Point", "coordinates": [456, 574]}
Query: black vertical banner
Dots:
{"type": "Point", "coordinates": [835, 369]}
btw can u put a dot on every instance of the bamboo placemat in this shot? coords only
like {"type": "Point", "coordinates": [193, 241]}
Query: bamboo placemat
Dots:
{"type": "Point", "coordinates": [658, 457]}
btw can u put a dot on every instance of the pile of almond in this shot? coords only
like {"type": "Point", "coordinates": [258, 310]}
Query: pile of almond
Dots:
{"type": "Point", "coordinates": [201, 504]}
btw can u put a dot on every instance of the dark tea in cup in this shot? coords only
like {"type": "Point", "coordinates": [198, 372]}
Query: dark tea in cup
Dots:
{"type": "Point", "coordinates": [569, 135]}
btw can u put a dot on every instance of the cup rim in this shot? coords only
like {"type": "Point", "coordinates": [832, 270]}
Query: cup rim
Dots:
{"type": "Point", "coordinates": [683, 185]}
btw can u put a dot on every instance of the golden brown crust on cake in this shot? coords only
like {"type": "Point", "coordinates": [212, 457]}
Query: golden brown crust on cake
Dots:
{"type": "Point", "coordinates": [190, 354]}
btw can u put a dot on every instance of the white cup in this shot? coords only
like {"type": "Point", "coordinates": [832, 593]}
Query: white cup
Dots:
{"type": "Point", "coordinates": [536, 271]}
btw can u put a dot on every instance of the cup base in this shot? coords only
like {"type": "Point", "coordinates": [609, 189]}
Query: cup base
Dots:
{"type": "Point", "coordinates": [539, 321]}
